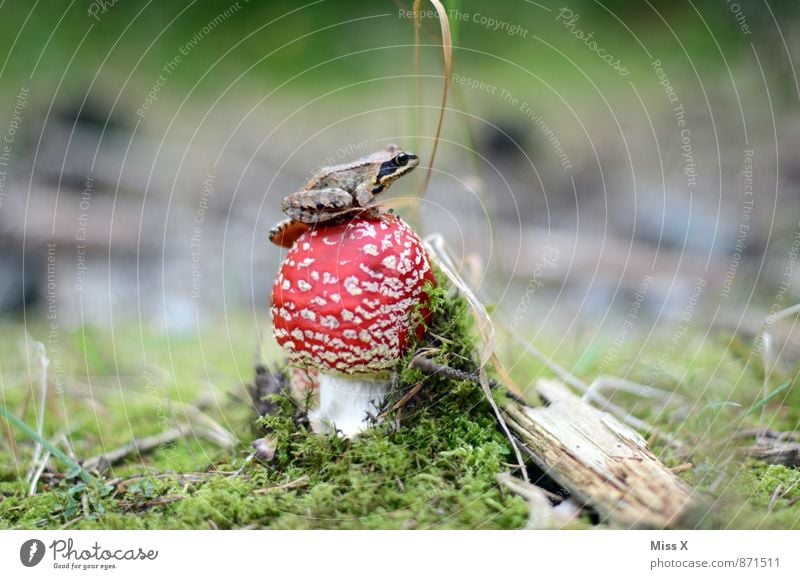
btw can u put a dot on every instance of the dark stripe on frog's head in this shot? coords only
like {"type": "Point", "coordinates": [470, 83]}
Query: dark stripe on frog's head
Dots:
{"type": "Point", "coordinates": [391, 170]}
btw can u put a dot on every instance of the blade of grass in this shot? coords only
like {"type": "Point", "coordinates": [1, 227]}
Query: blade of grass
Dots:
{"type": "Point", "coordinates": [764, 401]}
{"type": "Point", "coordinates": [44, 362]}
{"type": "Point", "coordinates": [55, 451]}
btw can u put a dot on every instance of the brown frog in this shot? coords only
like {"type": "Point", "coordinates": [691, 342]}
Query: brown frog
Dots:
{"type": "Point", "coordinates": [337, 191]}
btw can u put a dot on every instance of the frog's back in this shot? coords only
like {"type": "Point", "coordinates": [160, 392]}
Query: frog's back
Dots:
{"type": "Point", "coordinates": [345, 176]}
{"type": "Point", "coordinates": [327, 177]}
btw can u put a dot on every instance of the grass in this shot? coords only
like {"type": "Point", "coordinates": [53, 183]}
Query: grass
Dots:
{"type": "Point", "coordinates": [436, 471]}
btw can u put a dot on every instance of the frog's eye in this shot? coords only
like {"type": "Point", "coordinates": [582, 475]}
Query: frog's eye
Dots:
{"type": "Point", "coordinates": [401, 160]}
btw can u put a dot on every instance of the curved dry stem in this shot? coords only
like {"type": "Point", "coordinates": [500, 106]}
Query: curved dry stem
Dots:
{"type": "Point", "coordinates": [447, 51]}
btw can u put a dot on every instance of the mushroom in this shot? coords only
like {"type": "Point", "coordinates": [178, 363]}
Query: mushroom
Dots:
{"type": "Point", "coordinates": [345, 300]}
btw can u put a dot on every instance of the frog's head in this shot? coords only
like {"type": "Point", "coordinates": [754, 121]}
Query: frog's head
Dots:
{"type": "Point", "coordinates": [393, 164]}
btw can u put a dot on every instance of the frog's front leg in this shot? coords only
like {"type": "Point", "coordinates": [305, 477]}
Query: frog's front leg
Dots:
{"type": "Point", "coordinates": [316, 205]}
{"type": "Point", "coordinates": [364, 194]}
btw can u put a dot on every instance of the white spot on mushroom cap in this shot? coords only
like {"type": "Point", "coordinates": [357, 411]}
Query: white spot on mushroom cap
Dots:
{"type": "Point", "coordinates": [352, 286]}
{"type": "Point", "coordinates": [306, 262]}
{"type": "Point", "coordinates": [330, 322]}
{"type": "Point", "coordinates": [369, 271]}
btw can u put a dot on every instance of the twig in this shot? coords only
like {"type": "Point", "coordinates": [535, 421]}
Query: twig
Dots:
{"type": "Point", "coordinates": [183, 477]}
{"type": "Point", "coordinates": [427, 366]}
{"type": "Point", "coordinates": [682, 468]}
{"type": "Point", "coordinates": [630, 387]}
{"type": "Point", "coordinates": [774, 497]}
{"type": "Point", "coordinates": [141, 446]}
{"type": "Point", "coordinates": [403, 401]}
{"type": "Point", "coordinates": [214, 431]}
{"type": "Point", "coordinates": [295, 484]}
{"type": "Point", "coordinates": [130, 506]}
{"type": "Point", "coordinates": [767, 433]}
{"type": "Point", "coordinates": [85, 504]}
{"type": "Point", "coordinates": [71, 522]}
{"type": "Point", "coordinates": [541, 514]}
{"type": "Point", "coordinates": [38, 473]}
{"type": "Point", "coordinates": [775, 452]}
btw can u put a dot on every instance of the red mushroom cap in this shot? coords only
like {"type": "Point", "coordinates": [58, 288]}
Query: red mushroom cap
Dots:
{"type": "Point", "coordinates": [344, 297]}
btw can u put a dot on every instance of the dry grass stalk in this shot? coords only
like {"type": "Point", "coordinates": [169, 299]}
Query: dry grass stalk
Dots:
{"type": "Point", "coordinates": [447, 52]}
{"type": "Point", "coordinates": [44, 362]}
{"type": "Point", "coordinates": [438, 254]}
{"type": "Point", "coordinates": [541, 512]}
{"type": "Point", "coordinates": [139, 446]}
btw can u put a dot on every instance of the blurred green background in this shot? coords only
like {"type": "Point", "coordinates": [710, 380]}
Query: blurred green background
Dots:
{"type": "Point", "coordinates": [610, 213]}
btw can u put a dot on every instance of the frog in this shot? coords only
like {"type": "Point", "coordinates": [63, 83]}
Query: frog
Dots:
{"type": "Point", "coordinates": [336, 192]}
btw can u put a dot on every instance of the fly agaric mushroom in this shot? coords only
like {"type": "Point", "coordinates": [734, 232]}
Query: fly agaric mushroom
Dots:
{"type": "Point", "coordinates": [345, 299]}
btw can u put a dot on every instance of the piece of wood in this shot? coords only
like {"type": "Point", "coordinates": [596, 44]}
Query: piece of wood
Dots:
{"type": "Point", "coordinates": [600, 461]}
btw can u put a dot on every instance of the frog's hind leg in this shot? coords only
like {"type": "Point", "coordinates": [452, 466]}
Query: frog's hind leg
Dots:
{"type": "Point", "coordinates": [285, 233]}
{"type": "Point", "coordinates": [316, 201]}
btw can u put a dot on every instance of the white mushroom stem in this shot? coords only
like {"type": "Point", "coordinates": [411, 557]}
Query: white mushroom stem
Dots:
{"type": "Point", "coordinates": [347, 405]}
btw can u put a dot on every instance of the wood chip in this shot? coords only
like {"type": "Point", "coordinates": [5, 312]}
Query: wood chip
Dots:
{"type": "Point", "coordinates": [600, 461]}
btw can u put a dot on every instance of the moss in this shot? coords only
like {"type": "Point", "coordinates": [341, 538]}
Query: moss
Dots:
{"type": "Point", "coordinates": [435, 471]}
{"type": "Point", "coordinates": [758, 496]}
{"type": "Point", "coordinates": [431, 464]}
